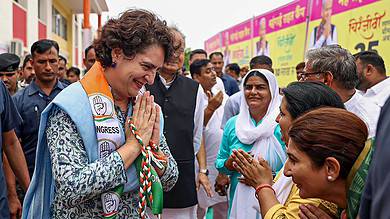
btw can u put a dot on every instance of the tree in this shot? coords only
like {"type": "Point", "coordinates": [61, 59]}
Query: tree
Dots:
{"type": "Point", "coordinates": [187, 53]}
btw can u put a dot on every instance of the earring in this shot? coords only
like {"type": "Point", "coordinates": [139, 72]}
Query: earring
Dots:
{"type": "Point", "coordinates": [113, 64]}
{"type": "Point", "coordinates": [330, 178]}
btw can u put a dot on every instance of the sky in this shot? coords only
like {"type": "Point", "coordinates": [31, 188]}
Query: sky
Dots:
{"type": "Point", "coordinates": [197, 19]}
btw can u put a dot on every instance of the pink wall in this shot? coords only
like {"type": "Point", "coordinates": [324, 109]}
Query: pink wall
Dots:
{"type": "Point", "coordinates": [19, 23]}
{"type": "Point", "coordinates": [41, 30]}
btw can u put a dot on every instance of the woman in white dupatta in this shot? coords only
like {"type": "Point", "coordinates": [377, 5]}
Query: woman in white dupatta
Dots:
{"type": "Point", "coordinates": [285, 202]}
{"type": "Point", "coordinates": [253, 130]}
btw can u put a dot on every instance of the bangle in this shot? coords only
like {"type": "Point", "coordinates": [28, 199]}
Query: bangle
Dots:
{"type": "Point", "coordinates": [262, 186]}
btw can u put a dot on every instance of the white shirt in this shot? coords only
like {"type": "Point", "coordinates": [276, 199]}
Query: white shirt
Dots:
{"type": "Point", "coordinates": [379, 92]}
{"type": "Point", "coordinates": [232, 107]}
{"type": "Point", "coordinates": [212, 135]}
{"type": "Point", "coordinates": [218, 87]}
{"type": "Point", "coordinates": [198, 115]}
{"type": "Point", "coordinates": [366, 110]}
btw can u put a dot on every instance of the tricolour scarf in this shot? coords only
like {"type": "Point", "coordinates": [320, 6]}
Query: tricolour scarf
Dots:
{"type": "Point", "coordinates": [110, 137]}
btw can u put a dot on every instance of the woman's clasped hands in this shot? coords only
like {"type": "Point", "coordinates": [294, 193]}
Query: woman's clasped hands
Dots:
{"type": "Point", "coordinates": [254, 171]}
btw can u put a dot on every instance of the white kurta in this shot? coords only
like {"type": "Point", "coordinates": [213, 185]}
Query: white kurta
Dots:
{"type": "Point", "coordinates": [379, 92]}
{"type": "Point", "coordinates": [366, 110]}
{"type": "Point", "coordinates": [212, 135]}
{"type": "Point", "coordinates": [218, 87]}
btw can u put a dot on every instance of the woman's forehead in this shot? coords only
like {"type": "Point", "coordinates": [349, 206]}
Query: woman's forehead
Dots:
{"type": "Point", "coordinates": [254, 79]}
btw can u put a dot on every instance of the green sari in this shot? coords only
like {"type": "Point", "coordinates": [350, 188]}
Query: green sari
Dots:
{"type": "Point", "coordinates": [357, 178]}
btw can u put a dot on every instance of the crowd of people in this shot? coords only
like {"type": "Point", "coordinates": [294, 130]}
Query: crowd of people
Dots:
{"type": "Point", "coordinates": [138, 136]}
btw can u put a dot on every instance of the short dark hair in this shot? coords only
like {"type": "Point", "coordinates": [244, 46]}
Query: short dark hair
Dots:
{"type": "Point", "coordinates": [60, 57]}
{"type": "Point", "coordinates": [41, 46]}
{"type": "Point", "coordinates": [215, 54]}
{"type": "Point", "coordinates": [27, 58]}
{"type": "Point", "coordinates": [197, 51]}
{"type": "Point", "coordinates": [87, 50]}
{"type": "Point", "coordinates": [260, 60]}
{"type": "Point", "coordinates": [196, 67]}
{"type": "Point", "coordinates": [372, 58]}
{"type": "Point", "coordinates": [338, 61]}
{"type": "Point", "coordinates": [300, 65]}
{"type": "Point", "coordinates": [133, 32]}
{"type": "Point", "coordinates": [75, 70]}
{"type": "Point", "coordinates": [234, 67]}
{"type": "Point", "coordinates": [303, 96]}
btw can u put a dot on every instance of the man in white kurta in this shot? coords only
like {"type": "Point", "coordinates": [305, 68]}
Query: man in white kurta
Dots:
{"type": "Point", "coordinates": [202, 71]}
{"type": "Point", "coordinates": [366, 110]}
{"type": "Point", "coordinates": [373, 82]}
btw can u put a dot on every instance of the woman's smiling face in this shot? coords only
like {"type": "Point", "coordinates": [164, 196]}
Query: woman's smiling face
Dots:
{"type": "Point", "coordinates": [257, 93]}
{"type": "Point", "coordinates": [310, 179]}
{"type": "Point", "coordinates": [284, 119]}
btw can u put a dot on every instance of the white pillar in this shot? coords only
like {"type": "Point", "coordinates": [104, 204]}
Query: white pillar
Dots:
{"type": "Point", "coordinates": [32, 23]}
{"type": "Point", "coordinates": [6, 34]}
{"type": "Point", "coordinates": [48, 8]}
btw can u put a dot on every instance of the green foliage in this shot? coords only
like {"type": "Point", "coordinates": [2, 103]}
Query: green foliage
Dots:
{"type": "Point", "coordinates": [187, 53]}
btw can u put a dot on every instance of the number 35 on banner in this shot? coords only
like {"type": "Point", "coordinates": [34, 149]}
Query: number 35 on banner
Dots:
{"type": "Point", "coordinates": [360, 47]}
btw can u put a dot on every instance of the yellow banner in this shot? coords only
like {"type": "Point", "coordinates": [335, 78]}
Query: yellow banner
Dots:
{"type": "Point", "coordinates": [286, 51]}
{"type": "Point", "coordinates": [239, 53]}
{"type": "Point", "coordinates": [360, 29]}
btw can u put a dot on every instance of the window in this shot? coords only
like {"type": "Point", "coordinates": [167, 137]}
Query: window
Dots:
{"type": "Point", "coordinates": [23, 3]}
{"type": "Point", "coordinates": [39, 9]}
{"type": "Point", "coordinates": [42, 10]}
{"type": "Point", "coordinates": [76, 29]}
{"type": "Point", "coordinates": [59, 25]}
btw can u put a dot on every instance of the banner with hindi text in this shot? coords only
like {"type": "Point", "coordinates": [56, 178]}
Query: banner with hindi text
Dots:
{"type": "Point", "coordinates": [284, 34]}
{"type": "Point", "coordinates": [213, 44]}
{"type": "Point", "coordinates": [280, 34]}
{"type": "Point", "coordinates": [236, 42]}
{"type": "Point", "coordinates": [357, 25]}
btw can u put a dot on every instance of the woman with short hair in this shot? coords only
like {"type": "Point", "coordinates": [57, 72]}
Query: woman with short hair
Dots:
{"type": "Point", "coordinates": [99, 155]}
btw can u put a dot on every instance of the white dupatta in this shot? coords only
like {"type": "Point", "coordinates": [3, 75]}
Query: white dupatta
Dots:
{"type": "Point", "coordinates": [264, 143]}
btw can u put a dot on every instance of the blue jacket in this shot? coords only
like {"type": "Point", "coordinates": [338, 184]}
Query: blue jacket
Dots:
{"type": "Point", "coordinates": [74, 101]}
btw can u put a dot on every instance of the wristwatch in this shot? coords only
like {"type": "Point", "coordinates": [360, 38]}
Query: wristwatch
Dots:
{"type": "Point", "coordinates": [204, 171]}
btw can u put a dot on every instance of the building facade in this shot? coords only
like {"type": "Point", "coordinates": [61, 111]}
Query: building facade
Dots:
{"type": "Point", "coordinates": [25, 21]}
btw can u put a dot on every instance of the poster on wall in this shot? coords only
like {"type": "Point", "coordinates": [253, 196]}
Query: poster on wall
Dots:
{"type": "Point", "coordinates": [285, 33]}
{"type": "Point", "coordinates": [357, 25]}
{"type": "Point", "coordinates": [280, 34]}
{"type": "Point", "coordinates": [236, 43]}
{"type": "Point", "coordinates": [213, 44]}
